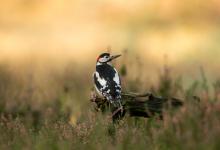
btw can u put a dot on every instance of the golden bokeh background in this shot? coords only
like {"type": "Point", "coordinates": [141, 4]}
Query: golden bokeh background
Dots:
{"type": "Point", "coordinates": [187, 32]}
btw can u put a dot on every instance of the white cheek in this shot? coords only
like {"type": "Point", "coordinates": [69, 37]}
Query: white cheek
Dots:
{"type": "Point", "coordinates": [103, 59]}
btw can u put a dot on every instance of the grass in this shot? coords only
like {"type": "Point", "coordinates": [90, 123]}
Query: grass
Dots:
{"type": "Point", "coordinates": [193, 127]}
{"type": "Point", "coordinates": [53, 112]}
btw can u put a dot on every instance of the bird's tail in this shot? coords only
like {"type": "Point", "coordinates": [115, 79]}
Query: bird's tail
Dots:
{"type": "Point", "coordinates": [117, 110]}
{"type": "Point", "coordinates": [117, 104]}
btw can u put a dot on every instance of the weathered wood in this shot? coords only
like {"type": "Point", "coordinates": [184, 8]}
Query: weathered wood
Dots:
{"type": "Point", "coordinates": [137, 105]}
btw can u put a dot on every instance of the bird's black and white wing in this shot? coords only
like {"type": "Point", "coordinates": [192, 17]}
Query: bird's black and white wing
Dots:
{"type": "Point", "coordinates": [107, 82]}
{"type": "Point", "coordinates": [100, 84]}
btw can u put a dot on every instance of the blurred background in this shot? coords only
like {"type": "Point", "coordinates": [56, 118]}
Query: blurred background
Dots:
{"type": "Point", "coordinates": [48, 49]}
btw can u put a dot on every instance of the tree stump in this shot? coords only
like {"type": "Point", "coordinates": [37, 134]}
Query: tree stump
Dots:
{"type": "Point", "coordinates": [136, 105]}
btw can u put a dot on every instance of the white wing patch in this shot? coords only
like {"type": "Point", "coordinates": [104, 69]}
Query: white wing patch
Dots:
{"type": "Point", "coordinates": [116, 77]}
{"type": "Point", "coordinates": [102, 81]}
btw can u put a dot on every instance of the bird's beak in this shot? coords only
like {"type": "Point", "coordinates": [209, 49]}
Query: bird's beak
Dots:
{"type": "Point", "coordinates": [115, 56]}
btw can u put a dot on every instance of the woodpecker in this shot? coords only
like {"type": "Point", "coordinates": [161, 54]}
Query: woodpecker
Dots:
{"type": "Point", "coordinates": [107, 80]}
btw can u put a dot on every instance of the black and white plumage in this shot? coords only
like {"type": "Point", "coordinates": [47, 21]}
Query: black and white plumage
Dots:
{"type": "Point", "coordinates": [107, 80]}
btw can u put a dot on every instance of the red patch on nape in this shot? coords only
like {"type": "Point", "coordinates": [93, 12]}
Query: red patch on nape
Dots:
{"type": "Point", "coordinates": [97, 59]}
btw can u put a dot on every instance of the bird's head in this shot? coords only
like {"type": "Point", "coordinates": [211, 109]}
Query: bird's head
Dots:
{"type": "Point", "coordinates": [106, 58]}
